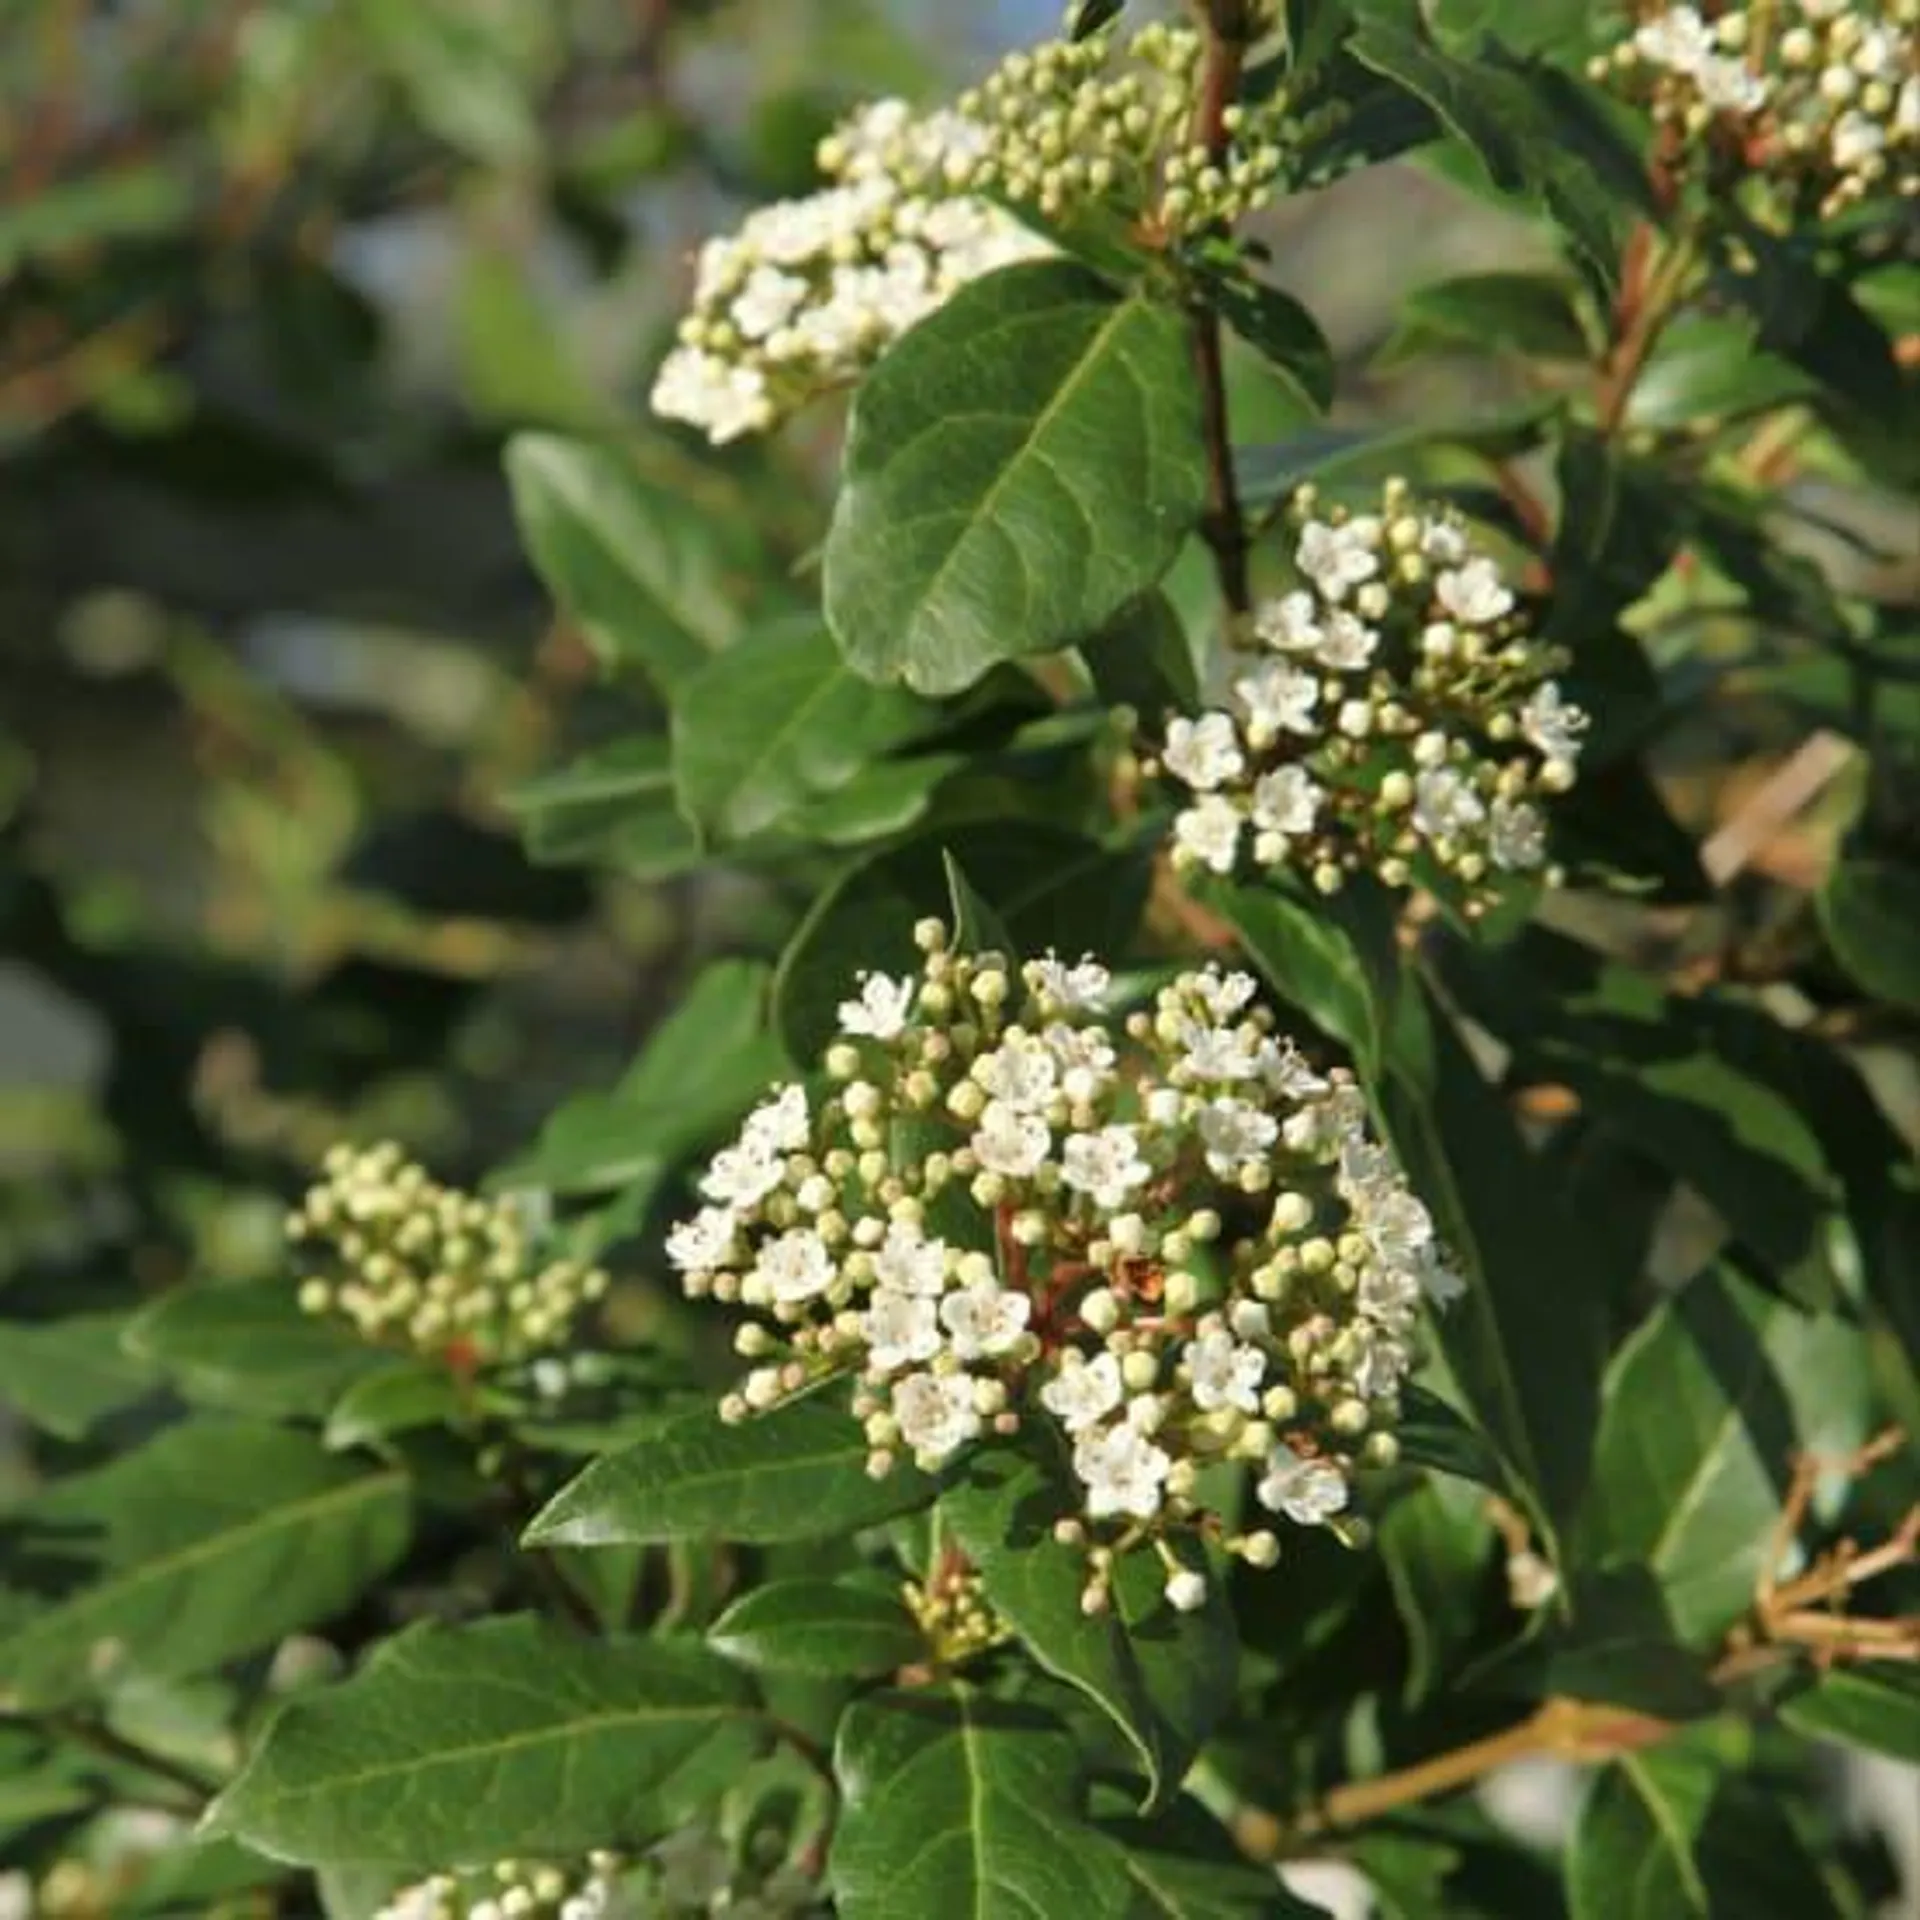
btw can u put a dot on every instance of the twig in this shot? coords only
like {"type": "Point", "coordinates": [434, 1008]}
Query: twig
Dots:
{"type": "Point", "coordinates": [101, 1739]}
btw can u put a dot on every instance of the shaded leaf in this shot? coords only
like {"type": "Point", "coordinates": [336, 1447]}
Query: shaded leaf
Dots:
{"type": "Point", "coordinates": [459, 1746]}
{"type": "Point", "coordinates": [66, 1376]}
{"type": "Point", "coordinates": [612, 807]}
{"type": "Point", "coordinates": [1870, 909]}
{"type": "Point", "coordinates": [1527, 313]}
{"type": "Point", "coordinates": [1184, 1867]}
{"type": "Point", "coordinates": [1019, 466]}
{"type": "Point", "coordinates": [1875, 1705]}
{"type": "Point", "coordinates": [1286, 335]}
{"type": "Point", "coordinates": [212, 1540]}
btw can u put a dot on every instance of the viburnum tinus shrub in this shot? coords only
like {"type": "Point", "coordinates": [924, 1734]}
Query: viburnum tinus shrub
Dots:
{"type": "Point", "coordinates": [1279, 1180]}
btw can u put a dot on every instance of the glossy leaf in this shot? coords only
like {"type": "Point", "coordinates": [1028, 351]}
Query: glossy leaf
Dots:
{"type": "Point", "coordinates": [1019, 466]}
{"type": "Point", "coordinates": [1707, 1405]}
{"type": "Point", "coordinates": [66, 1376]}
{"type": "Point", "coordinates": [1871, 1704]}
{"type": "Point", "coordinates": [776, 722]}
{"type": "Point", "coordinates": [829, 1628]}
{"type": "Point", "coordinates": [398, 1399]}
{"type": "Point", "coordinates": [1163, 1677]}
{"type": "Point", "coordinates": [465, 1745]}
{"type": "Point", "coordinates": [955, 1807]}
{"type": "Point", "coordinates": [642, 568]}
{"type": "Point", "coordinates": [1870, 909]}
{"type": "Point", "coordinates": [794, 1474]}
{"type": "Point", "coordinates": [212, 1540]}
{"type": "Point", "coordinates": [1286, 335]}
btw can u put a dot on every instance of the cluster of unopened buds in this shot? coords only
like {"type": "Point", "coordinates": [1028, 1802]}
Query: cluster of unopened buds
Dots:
{"type": "Point", "coordinates": [808, 293]}
{"type": "Point", "coordinates": [1107, 122]}
{"type": "Point", "coordinates": [1819, 98]}
{"type": "Point", "coordinates": [411, 1263]}
{"type": "Point", "coordinates": [519, 1890]}
{"type": "Point", "coordinates": [1394, 716]}
{"type": "Point", "coordinates": [952, 1610]}
{"type": "Point", "coordinates": [1165, 1236]}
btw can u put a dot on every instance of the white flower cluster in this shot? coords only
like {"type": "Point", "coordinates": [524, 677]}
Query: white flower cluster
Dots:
{"type": "Point", "coordinates": [430, 1267]}
{"type": "Point", "coordinates": [1108, 122]}
{"type": "Point", "coordinates": [1819, 97]}
{"type": "Point", "coordinates": [809, 292]}
{"type": "Point", "coordinates": [518, 1890]}
{"type": "Point", "coordinates": [1395, 716]}
{"type": "Point", "coordinates": [1167, 1237]}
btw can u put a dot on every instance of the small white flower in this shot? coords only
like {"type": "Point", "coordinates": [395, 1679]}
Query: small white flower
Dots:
{"type": "Point", "coordinates": [1677, 39]}
{"type": "Point", "coordinates": [1235, 1134]}
{"type": "Point", "coordinates": [1337, 559]}
{"type": "Point", "coordinates": [1222, 995]}
{"type": "Point", "coordinates": [984, 1321]}
{"type": "Point", "coordinates": [1106, 1165]}
{"type": "Point", "coordinates": [1289, 1072]}
{"type": "Point", "coordinates": [1445, 804]}
{"type": "Point", "coordinates": [1287, 800]}
{"type": "Point", "coordinates": [743, 1175]}
{"type": "Point", "coordinates": [1290, 624]}
{"type": "Point", "coordinates": [1552, 723]}
{"type": "Point", "coordinates": [1380, 1363]}
{"type": "Point", "coordinates": [881, 1011]}
{"type": "Point", "coordinates": [1085, 1057]}
{"type": "Point", "coordinates": [1209, 833]}
{"type": "Point", "coordinates": [1473, 594]}
{"type": "Point", "coordinates": [1730, 86]}
{"type": "Point", "coordinates": [1214, 1053]}
{"type": "Point", "coordinates": [1394, 1224]}
{"type": "Point", "coordinates": [1225, 1373]}
{"type": "Point", "coordinates": [936, 1413]}
{"type": "Point", "coordinates": [1516, 836]}
{"type": "Point", "coordinates": [795, 1267]}
{"type": "Point", "coordinates": [1856, 138]}
{"type": "Point", "coordinates": [766, 302]}
{"type": "Point", "coordinates": [1083, 1392]}
{"type": "Point", "coordinates": [1010, 1142]}
{"type": "Point", "coordinates": [908, 1262]}
{"type": "Point", "coordinates": [1438, 1281]}
{"type": "Point", "coordinates": [1123, 1470]}
{"type": "Point", "coordinates": [780, 1125]}
{"type": "Point", "coordinates": [899, 1328]}
{"type": "Point", "coordinates": [1081, 987]}
{"type": "Point", "coordinates": [1442, 541]}
{"type": "Point", "coordinates": [1308, 1492]}
{"type": "Point", "coordinates": [1203, 752]}
{"type": "Point", "coordinates": [1186, 1590]}
{"type": "Point", "coordinates": [1348, 644]}
{"type": "Point", "coordinates": [1021, 1073]}
{"type": "Point", "coordinates": [703, 1243]}
{"type": "Point", "coordinates": [1276, 699]}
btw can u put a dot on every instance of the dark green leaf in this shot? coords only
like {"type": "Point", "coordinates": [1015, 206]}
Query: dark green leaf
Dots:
{"type": "Point", "coordinates": [248, 1348]}
{"type": "Point", "coordinates": [794, 1474]}
{"type": "Point", "coordinates": [1870, 908]}
{"type": "Point", "coordinates": [1673, 1834]}
{"type": "Point", "coordinates": [1435, 1543]}
{"type": "Point", "coordinates": [1050, 888]}
{"type": "Point", "coordinates": [775, 722]}
{"type": "Point", "coordinates": [210, 1541]}
{"type": "Point", "coordinates": [1875, 1705]}
{"type": "Point", "coordinates": [397, 1399]}
{"type": "Point", "coordinates": [1619, 1649]}
{"type": "Point", "coordinates": [1286, 334]}
{"type": "Point", "coordinates": [1089, 16]}
{"type": "Point", "coordinates": [66, 1376]}
{"type": "Point", "coordinates": [1184, 1867]}
{"type": "Point", "coordinates": [829, 1628]}
{"type": "Point", "coordinates": [1439, 1437]}
{"type": "Point", "coordinates": [612, 807]}
{"type": "Point", "coordinates": [1019, 466]}
{"type": "Point", "coordinates": [1708, 367]}
{"type": "Point", "coordinates": [644, 570]}
{"type": "Point", "coordinates": [1145, 661]}
{"type": "Point", "coordinates": [956, 1807]}
{"type": "Point", "coordinates": [1707, 1406]}
{"type": "Point", "coordinates": [1163, 1677]}
{"type": "Point", "coordinates": [459, 1746]}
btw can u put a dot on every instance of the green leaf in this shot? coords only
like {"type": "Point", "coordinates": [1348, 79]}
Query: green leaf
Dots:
{"type": "Point", "coordinates": [397, 1399]}
{"type": "Point", "coordinates": [66, 1376]}
{"type": "Point", "coordinates": [1183, 1867]}
{"type": "Point", "coordinates": [1019, 467]}
{"type": "Point", "coordinates": [612, 807]}
{"type": "Point", "coordinates": [141, 201]}
{"type": "Point", "coordinates": [1435, 1544]}
{"type": "Point", "coordinates": [1287, 336]}
{"type": "Point", "coordinates": [1089, 16]}
{"type": "Point", "coordinates": [1870, 910]}
{"type": "Point", "coordinates": [459, 74]}
{"type": "Point", "coordinates": [776, 721]}
{"type": "Point", "coordinates": [710, 1058]}
{"type": "Point", "coordinates": [210, 1541]}
{"type": "Point", "coordinates": [1709, 367]}
{"type": "Point", "coordinates": [956, 1807]}
{"type": "Point", "coordinates": [1144, 660]}
{"type": "Point", "coordinates": [1875, 1705]}
{"type": "Point", "coordinates": [1618, 1649]}
{"type": "Point", "coordinates": [1673, 1834]}
{"type": "Point", "coordinates": [1162, 1677]}
{"type": "Point", "coordinates": [643, 569]}
{"type": "Point", "coordinates": [829, 1628]}
{"type": "Point", "coordinates": [1534, 314]}
{"type": "Point", "coordinates": [459, 1746]}
{"type": "Point", "coordinates": [1707, 1405]}
{"type": "Point", "coordinates": [1050, 887]}
{"type": "Point", "coordinates": [1524, 129]}
{"type": "Point", "coordinates": [247, 1347]}
{"type": "Point", "coordinates": [1437, 1436]}
{"type": "Point", "coordinates": [796, 1473]}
